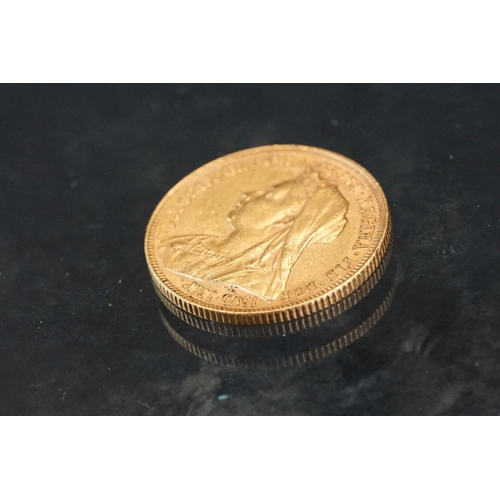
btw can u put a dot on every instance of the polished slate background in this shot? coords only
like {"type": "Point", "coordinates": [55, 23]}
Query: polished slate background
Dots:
{"type": "Point", "coordinates": [82, 168]}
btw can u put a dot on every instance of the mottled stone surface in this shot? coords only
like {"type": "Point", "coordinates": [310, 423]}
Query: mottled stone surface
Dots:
{"type": "Point", "coordinates": [82, 168]}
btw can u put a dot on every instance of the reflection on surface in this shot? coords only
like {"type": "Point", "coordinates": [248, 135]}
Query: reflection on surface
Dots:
{"type": "Point", "coordinates": [316, 341]}
{"type": "Point", "coordinates": [294, 326]}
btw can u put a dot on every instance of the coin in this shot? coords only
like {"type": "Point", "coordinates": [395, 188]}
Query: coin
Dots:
{"type": "Point", "coordinates": [267, 235]}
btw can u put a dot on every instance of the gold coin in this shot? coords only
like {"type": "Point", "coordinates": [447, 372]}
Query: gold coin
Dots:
{"type": "Point", "coordinates": [267, 235]}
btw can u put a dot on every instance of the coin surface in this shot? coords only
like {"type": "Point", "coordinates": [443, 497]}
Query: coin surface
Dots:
{"type": "Point", "coordinates": [268, 234]}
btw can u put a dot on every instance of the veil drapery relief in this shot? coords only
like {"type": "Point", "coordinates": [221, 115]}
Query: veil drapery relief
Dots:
{"type": "Point", "coordinates": [270, 229]}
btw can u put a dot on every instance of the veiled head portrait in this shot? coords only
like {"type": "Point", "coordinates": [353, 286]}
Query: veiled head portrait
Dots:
{"type": "Point", "coordinates": [269, 230]}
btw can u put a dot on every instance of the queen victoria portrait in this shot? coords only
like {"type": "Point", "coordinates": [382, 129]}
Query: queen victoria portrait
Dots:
{"type": "Point", "coordinates": [268, 231]}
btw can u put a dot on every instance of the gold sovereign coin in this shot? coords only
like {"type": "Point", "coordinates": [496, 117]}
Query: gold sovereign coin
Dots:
{"type": "Point", "coordinates": [267, 235]}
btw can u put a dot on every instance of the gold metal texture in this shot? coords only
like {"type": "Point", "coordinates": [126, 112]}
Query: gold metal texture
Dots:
{"type": "Point", "coordinates": [267, 235]}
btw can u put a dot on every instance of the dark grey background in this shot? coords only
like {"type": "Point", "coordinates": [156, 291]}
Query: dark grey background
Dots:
{"type": "Point", "coordinates": [82, 168]}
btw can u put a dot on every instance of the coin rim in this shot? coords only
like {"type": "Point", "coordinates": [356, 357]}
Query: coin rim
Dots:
{"type": "Point", "coordinates": [296, 309]}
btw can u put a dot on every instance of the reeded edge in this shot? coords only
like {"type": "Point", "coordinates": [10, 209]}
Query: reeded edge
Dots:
{"type": "Point", "coordinates": [294, 310]}
{"type": "Point", "coordinates": [289, 327]}
{"type": "Point", "coordinates": [299, 359]}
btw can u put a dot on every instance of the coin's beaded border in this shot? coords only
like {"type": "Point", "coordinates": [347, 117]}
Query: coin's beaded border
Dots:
{"type": "Point", "coordinates": [296, 309]}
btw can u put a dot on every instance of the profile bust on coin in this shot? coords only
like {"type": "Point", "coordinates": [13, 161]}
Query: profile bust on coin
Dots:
{"type": "Point", "coordinates": [267, 234]}
{"type": "Point", "coordinates": [268, 230]}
